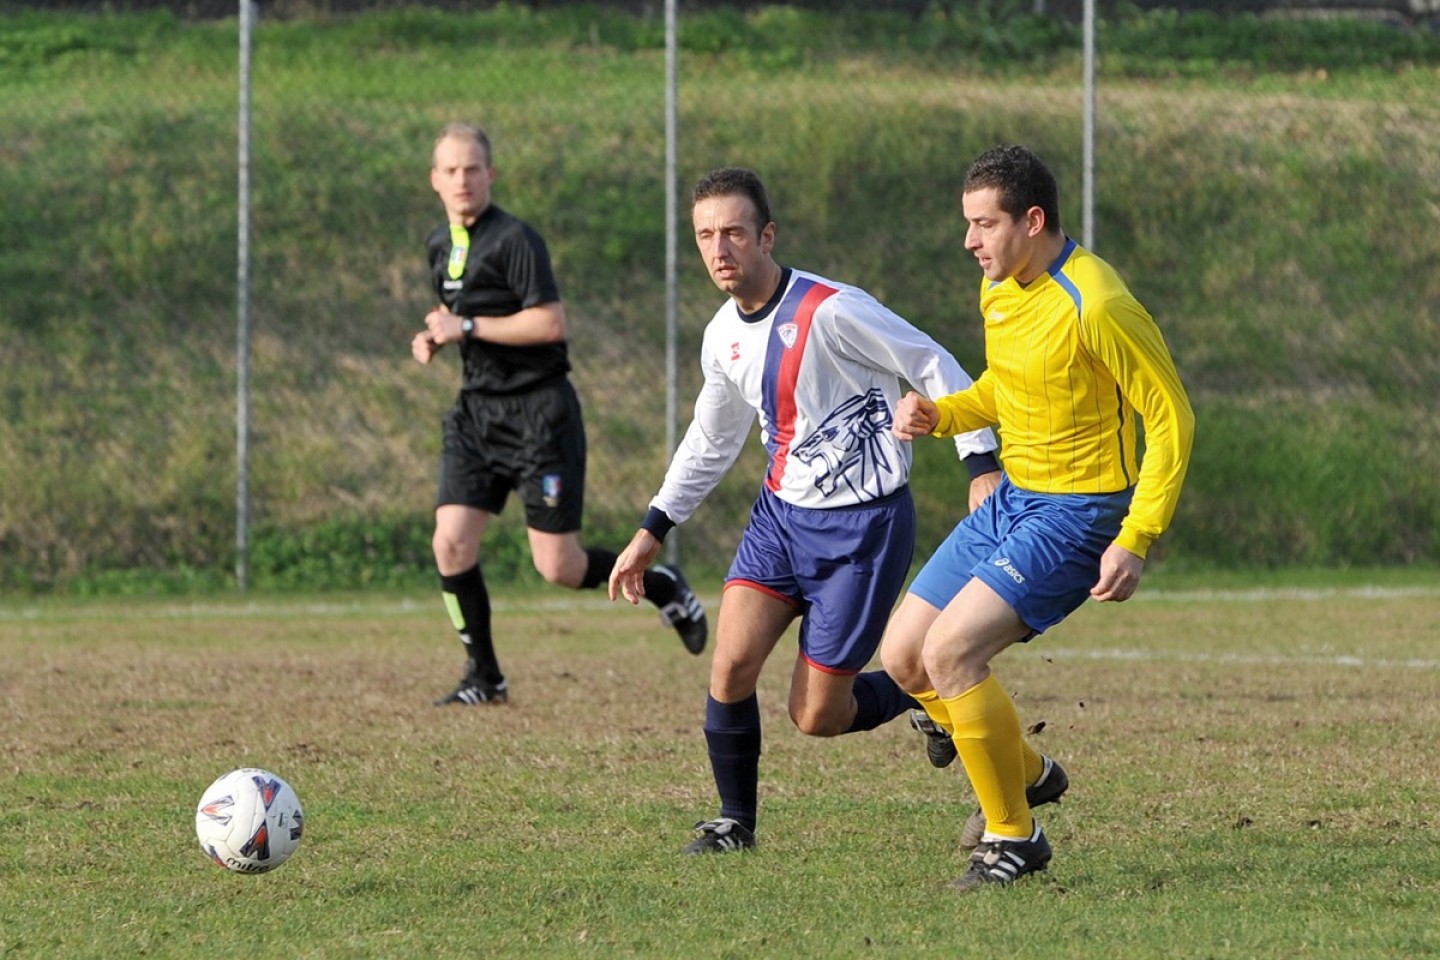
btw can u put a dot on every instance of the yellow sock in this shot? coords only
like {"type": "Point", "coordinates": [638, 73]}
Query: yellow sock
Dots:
{"type": "Point", "coordinates": [936, 710]}
{"type": "Point", "coordinates": [987, 735]}
{"type": "Point", "coordinates": [1034, 763]}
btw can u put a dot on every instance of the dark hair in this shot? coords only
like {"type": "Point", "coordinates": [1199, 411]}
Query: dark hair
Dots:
{"type": "Point", "coordinates": [468, 131]}
{"type": "Point", "coordinates": [734, 181]}
{"type": "Point", "coordinates": [1021, 179]}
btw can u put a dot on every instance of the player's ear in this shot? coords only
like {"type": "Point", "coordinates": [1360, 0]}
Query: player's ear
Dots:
{"type": "Point", "coordinates": [1035, 221]}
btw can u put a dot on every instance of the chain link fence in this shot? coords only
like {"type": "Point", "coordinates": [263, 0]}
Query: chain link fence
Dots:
{"type": "Point", "coordinates": [119, 167]}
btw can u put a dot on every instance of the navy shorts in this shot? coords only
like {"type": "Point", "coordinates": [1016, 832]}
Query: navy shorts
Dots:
{"type": "Point", "coordinates": [1039, 551]}
{"type": "Point", "coordinates": [842, 568]}
{"type": "Point", "coordinates": [531, 442]}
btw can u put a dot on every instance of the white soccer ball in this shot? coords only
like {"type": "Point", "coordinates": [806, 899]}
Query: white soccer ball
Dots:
{"type": "Point", "coordinates": [249, 821]}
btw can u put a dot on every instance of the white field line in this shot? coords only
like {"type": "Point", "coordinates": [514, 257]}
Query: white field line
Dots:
{"type": "Point", "coordinates": [1267, 594]}
{"type": "Point", "coordinates": [596, 605]}
{"type": "Point", "coordinates": [240, 609]}
{"type": "Point", "coordinates": [1236, 659]}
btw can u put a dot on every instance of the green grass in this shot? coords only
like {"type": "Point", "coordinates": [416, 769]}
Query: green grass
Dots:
{"type": "Point", "coordinates": [1250, 771]}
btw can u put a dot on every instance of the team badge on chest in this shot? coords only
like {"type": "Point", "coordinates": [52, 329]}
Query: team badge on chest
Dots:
{"type": "Point", "coordinates": [787, 332]}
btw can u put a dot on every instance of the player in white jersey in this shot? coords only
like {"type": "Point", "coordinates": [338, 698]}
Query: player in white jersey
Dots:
{"type": "Point", "coordinates": [831, 534]}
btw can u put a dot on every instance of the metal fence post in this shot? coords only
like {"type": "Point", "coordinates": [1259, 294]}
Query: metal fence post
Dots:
{"type": "Point", "coordinates": [242, 324]}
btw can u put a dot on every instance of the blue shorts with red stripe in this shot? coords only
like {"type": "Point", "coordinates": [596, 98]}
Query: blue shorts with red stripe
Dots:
{"type": "Point", "coordinates": [842, 568]}
{"type": "Point", "coordinates": [1039, 551]}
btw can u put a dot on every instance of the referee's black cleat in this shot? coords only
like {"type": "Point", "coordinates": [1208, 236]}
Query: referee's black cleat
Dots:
{"type": "Point", "coordinates": [939, 745]}
{"type": "Point", "coordinates": [1051, 786]}
{"type": "Point", "coordinates": [474, 692]}
{"type": "Point", "coordinates": [684, 612]}
{"type": "Point", "coordinates": [724, 835]}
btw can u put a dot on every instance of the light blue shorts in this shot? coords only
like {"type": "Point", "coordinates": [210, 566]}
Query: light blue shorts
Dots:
{"type": "Point", "coordinates": [1039, 551]}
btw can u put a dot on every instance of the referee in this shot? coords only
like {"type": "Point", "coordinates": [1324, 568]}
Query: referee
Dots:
{"type": "Point", "coordinates": [516, 423]}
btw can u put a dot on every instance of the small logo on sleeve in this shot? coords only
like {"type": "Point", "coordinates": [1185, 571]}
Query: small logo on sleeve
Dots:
{"type": "Point", "coordinates": [550, 489]}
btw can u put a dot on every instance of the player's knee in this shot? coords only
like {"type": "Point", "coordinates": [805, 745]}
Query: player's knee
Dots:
{"type": "Point", "coordinates": [452, 553]}
{"type": "Point", "coordinates": [730, 680]}
{"type": "Point", "coordinates": [818, 720]}
{"type": "Point", "coordinates": [904, 666]}
{"type": "Point", "coordinates": [938, 658]}
{"type": "Point", "coordinates": [552, 571]}
{"type": "Point", "coordinates": [954, 660]}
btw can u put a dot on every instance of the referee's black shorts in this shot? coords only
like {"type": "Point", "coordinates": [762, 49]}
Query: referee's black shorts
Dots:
{"type": "Point", "coordinates": [531, 442]}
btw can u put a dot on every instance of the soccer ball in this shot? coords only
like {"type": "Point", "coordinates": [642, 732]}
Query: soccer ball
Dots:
{"type": "Point", "coordinates": [249, 821]}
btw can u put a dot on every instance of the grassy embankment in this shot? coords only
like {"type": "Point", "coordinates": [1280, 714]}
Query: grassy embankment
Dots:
{"type": "Point", "coordinates": [1277, 215]}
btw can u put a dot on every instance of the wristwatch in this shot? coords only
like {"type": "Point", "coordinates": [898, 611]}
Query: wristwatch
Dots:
{"type": "Point", "coordinates": [467, 327]}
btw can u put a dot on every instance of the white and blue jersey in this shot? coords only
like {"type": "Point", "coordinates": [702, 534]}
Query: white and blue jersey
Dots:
{"type": "Point", "coordinates": [833, 528]}
{"type": "Point", "coordinates": [821, 365]}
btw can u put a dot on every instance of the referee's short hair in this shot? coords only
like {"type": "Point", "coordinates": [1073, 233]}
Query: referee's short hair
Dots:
{"type": "Point", "coordinates": [468, 131]}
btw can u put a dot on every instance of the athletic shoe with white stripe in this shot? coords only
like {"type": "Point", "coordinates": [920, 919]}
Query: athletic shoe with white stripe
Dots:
{"type": "Point", "coordinates": [684, 613]}
{"type": "Point", "coordinates": [473, 692]}
{"type": "Point", "coordinates": [1004, 861]}
{"type": "Point", "coordinates": [721, 836]}
{"type": "Point", "coordinates": [1051, 786]}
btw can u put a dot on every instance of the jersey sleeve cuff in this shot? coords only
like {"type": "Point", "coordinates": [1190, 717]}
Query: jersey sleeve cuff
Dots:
{"type": "Point", "coordinates": [980, 464]}
{"type": "Point", "coordinates": [1134, 541]}
{"type": "Point", "coordinates": [658, 523]}
{"type": "Point", "coordinates": [943, 423]}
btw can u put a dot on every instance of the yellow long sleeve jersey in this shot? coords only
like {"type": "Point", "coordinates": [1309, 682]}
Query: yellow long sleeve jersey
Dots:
{"type": "Point", "coordinates": [1070, 359]}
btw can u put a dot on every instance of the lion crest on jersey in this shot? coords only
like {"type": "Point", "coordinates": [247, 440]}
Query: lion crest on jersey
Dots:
{"type": "Point", "coordinates": [848, 446]}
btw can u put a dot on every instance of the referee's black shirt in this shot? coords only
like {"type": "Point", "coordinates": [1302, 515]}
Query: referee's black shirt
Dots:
{"type": "Point", "coordinates": [507, 270]}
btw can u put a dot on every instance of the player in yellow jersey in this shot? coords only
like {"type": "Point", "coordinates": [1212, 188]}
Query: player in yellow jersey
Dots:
{"type": "Point", "coordinates": [1071, 359]}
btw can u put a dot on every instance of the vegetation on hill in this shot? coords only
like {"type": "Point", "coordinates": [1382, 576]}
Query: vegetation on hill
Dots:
{"type": "Point", "coordinates": [1269, 188]}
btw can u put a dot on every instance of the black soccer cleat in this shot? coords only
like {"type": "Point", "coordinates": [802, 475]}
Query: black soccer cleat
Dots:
{"type": "Point", "coordinates": [724, 835]}
{"type": "Point", "coordinates": [1049, 788]}
{"type": "Point", "coordinates": [684, 613]}
{"type": "Point", "coordinates": [939, 746]}
{"type": "Point", "coordinates": [1002, 862]}
{"type": "Point", "coordinates": [475, 692]}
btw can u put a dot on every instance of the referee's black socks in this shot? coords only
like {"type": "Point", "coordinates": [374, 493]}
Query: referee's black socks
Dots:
{"type": "Point", "coordinates": [659, 589]}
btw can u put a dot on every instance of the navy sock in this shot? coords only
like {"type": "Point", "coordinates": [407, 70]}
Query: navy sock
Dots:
{"type": "Point", "coordinates": [732, 731]}
{"type": "Point", "coordinates": [878, 699]}
{"type": "Point", "coordinates": [473, 601]}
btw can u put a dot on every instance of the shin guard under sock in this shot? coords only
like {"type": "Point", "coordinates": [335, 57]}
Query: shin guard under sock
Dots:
{"type": "Point", "coordinates": [732, 731]}
{"type": "Point", "coordinates": [468, 603]}
{"type": "Point", "coordinates": [878, 699]}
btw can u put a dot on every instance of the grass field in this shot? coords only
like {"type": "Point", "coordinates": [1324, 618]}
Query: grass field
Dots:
{"type": "Point", "coordinates": [1253, 776]}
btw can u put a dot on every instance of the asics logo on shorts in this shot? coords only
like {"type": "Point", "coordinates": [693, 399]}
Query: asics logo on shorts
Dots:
{"type": "Point", "coordinates": [1004, 564]}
